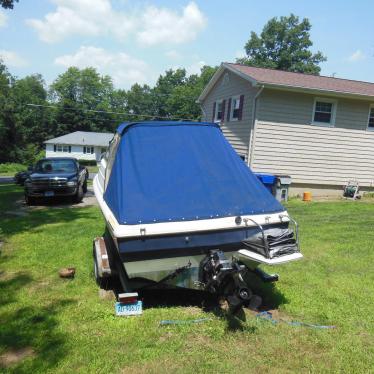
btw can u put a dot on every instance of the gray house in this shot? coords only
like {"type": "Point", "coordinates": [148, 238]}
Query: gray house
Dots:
{"type": "Point", "coordinates": [319, 130]}
{"type": "Point", "coordinates": [79, 144]}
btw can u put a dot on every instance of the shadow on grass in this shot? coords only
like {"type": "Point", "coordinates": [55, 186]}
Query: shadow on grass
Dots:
{"type": "Point", "coordinates": [31, 328]}
{"type": "Point", "coordinates": [156, 298]}
{"type": "Point", "coordinates": [15, 225]}
{"type": "Point", "coordinates": [271, 297]}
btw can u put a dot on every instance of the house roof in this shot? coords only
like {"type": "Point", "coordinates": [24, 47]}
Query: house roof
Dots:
{"type": "Point", "coordinates": [296, 81]}
{"type": "Point", "coordinates": [100, 139]}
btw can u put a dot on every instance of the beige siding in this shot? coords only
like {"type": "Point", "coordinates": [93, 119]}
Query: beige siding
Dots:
{"type": "Point", "coordinates": [291, 107]}
{"type": "Point", "coordinates": [314, 155]}
{"type": "Point", "coordinates": [236, 132]}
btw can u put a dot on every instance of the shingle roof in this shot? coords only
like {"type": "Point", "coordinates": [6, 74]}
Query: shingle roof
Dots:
{"type": "Point", "coordinates": [100, 139]}
{"type": "Point", "coordinates": [307, 81]}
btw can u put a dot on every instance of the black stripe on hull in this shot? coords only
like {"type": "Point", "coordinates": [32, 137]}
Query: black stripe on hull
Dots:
{"type": "Point", "coordinates": [187, 244]}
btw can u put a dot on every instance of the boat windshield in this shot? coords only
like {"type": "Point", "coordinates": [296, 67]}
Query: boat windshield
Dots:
{"type": "Point", "coordinates": [56, 166]}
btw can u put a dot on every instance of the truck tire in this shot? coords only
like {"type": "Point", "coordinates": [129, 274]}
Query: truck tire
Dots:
{"type": "Point", "coordinates": [29, 200]}
{"type": "Point", "coordinates": [79, 195]}
{"type": "Point", "coordinates": [85, 186]}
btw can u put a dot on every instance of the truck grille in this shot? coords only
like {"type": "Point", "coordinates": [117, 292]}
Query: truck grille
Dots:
{"type": "Point", "coordinates": [47, 182]}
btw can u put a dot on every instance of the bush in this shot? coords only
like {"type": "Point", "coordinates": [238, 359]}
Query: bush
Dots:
{"type": "Point", "coordinates": [88, 162]}
{"type": "Point", "coordinates": [11, 167]}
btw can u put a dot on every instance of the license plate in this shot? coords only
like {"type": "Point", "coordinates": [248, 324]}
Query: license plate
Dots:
{"type": "Point", "coordinates": [132, 309]}
{"type": "Point", "coordinates": [49, 193]}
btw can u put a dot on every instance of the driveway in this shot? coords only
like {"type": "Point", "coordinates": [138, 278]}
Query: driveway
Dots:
{"type": "Point", "coordinates": [6, 180]}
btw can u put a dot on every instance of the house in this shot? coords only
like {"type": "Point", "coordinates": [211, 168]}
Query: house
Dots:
{"type": "Point", "coordinates": [319, 130]}
{"type": "Point", "coordinates": [79, 144]}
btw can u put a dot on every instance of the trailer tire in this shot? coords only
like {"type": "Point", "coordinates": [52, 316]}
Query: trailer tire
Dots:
{"type": "Point", "coordinates": [103, 282]}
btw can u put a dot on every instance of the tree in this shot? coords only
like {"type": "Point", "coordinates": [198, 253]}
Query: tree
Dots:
{"type": "Point", "coordinates": [83, 99]}
{"type": "Point", "coordinates": [182, 102]}
{"type": "Point", "coordinates": [284, 44]}
{"type": "Point", "coordinates": [164, 88]}
{"type": "Point", "coordinates": [8, 4]}
{"type": "Point", "coordinates": [175, 93]}
{"type": "Point", "coordinates": [22, 129]}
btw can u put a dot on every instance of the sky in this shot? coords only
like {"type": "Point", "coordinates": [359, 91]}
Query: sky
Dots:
{"type": "Point", "coordinates": [136, 41]}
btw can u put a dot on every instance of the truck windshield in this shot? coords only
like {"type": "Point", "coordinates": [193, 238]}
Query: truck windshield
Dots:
{"type": "Point", "coordinates": [56, 166]}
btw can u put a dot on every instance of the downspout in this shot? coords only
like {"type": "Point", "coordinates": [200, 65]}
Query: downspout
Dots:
{"type": "Point", "coordinates": [251, 136]}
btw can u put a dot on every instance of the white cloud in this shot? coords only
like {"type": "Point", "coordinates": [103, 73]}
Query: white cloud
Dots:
{"type": "Point", "coordinates": [124, 69]}
{"type": "Point", "coordinates": [81, 17]}
{"type": "Point", "coordinates": [11, 58]}
{"type": "Point", "coordinates": [150, 25]}
{"type": "Point", "coordinates": [357, 56]}
{"type": "Point", "coordinates": [3, 19]}
{"type": "Point", "coordinates": [166, 26]}
{"type": "Point", "coordinates": [195, 68]}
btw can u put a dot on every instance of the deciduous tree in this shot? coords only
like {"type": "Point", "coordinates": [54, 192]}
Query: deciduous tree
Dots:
{"type": "Point", "coordinates": [284, 44]}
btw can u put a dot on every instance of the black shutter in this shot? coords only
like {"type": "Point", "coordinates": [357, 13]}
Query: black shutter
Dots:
{"type": "Point", "coordinates": [54, 147]}
{"type": "Point", "coordinates": [223, 110]}
{"type": "Point", "coordinates": [240, 115]}
{"type": "Point", "coordinates": [229, 110]}
{"type": "Point", "coordinates": [214, 111]}
{"type": "Point", "coordinates": [84, 149]}
{"type": "Point", "coordinates": [69, 148]}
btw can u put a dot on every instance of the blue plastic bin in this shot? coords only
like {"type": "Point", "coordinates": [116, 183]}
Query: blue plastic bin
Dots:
{"type": "Point", "coordinates": [268, 180]}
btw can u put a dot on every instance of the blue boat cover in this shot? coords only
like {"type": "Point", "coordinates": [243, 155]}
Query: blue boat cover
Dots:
{"type": "Point", "coordinates": [181, 171]}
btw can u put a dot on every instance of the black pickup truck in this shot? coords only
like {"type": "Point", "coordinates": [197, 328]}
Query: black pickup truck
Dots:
{"type": "Point", "coordinates": [56, 176]}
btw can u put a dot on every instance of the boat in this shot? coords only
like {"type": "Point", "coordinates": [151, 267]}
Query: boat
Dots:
{"type": "Point", "coordinates": [182, 209]}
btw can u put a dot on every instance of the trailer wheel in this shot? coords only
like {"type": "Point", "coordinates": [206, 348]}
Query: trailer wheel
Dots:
{"type": "Point", "coordinates": [103, 282]}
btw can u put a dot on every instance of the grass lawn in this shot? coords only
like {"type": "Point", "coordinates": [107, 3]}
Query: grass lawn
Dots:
{"type": "Point", "coordinates": [63, 326]}
{"type": "Point", "coordinates": [11, 168]}
{"type": "Point", "coordinates": [92, 169]}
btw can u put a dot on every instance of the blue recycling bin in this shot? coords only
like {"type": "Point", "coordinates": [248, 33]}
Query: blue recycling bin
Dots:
{"type": "Point", "coordinates": [268, 180]}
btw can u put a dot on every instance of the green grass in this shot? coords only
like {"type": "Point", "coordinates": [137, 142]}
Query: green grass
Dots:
{"type": "Point", "coordinates": [11, 168]}
{"type": "Point", "coordinates": [71, 330]}
{"type": "Point", "coordinates": [92, 169]}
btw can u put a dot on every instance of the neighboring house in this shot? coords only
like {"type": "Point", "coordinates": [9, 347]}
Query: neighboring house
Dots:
{"type": "Point", "coordinates": [319, 130]}
{"type": "Point", "coordinates": [79, 144]}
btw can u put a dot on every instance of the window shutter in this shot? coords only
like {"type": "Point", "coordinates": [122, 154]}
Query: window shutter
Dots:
{"type": "Point", "coordinates": [54, 147]}
{"type": "Point", "coordinates": [240, 116]}
{"type": "Point", "coordinates": [229, 110]}
{"type": "Point", "coordinates": [214, 111]}
{"type": "Point", "coordinates": [84, 149]}
{"type": "Point", "coordinates": [223, 110]}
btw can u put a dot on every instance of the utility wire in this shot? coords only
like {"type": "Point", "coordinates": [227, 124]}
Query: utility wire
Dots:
{"type": "Point", "coordinates": [111, 112]}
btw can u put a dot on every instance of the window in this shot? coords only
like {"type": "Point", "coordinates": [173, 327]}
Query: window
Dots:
{"type": "Point", "coordinates": [89, 150]}
{"type": "Point", "coordinates": [235, 108]}
{"type": "Point", "coordinates": [324, 111]}
{"type": "Point", "coordinates": [219, 109]}
{"type": "Point", "coordinates": [62, 148]}
{"type": "Point", "coordinates": [371, 118]}
{"type": "Point", "coordinates": [50, 166]}
{"type": "Point", "coordinates": [110, 156]}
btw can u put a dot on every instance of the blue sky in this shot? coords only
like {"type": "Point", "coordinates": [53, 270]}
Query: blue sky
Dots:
{"type": "Point", "coordinates": [135, 41]}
